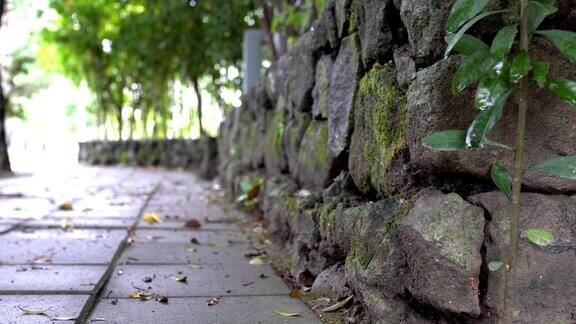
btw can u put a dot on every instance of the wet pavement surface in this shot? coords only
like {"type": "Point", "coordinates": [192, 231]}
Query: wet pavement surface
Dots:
{"type": "Point", "coordinates": [80, 247]}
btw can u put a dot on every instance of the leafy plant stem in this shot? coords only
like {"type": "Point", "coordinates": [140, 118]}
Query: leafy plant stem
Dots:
{"type": "Point", "coordinates": [511, 266]}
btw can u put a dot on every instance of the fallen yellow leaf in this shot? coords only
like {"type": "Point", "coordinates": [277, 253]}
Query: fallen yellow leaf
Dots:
{"type": "Point", "coordinates": [152, 218]}
{"type": "Point", "coordinates": [286, 314]}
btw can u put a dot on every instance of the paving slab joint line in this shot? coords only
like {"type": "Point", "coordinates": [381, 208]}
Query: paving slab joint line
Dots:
{"type": "Point", "coordinates": [95, 295]}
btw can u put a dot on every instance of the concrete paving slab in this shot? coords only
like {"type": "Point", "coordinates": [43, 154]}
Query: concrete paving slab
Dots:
{"type": "Point", "coordinates": [57, 251]}
{"type": "Point", "coordinates": [82, 223]}
{"type": "Point", "coordinates": [54, 305]}
{"type": "Point", "coordinates": [245, 309]}
{"type": "Point", "coordinates": [174, 253]}
{"type": "Point", "coordinates": [183, 235]}
{"type": "Point", "coordinates": [24, 208]}
{"type": "Point", "coordinates": [209, 280]}
{"type": "Point", "coordinates": [59, 234]}
{"type": "Point", "coordinates": [49, 278]}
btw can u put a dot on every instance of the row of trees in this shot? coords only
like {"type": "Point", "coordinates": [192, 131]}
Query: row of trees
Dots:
{"type": "Point", "coordinates": [4, 160]}
{"type": "Point", "coordinates": [132, 54]}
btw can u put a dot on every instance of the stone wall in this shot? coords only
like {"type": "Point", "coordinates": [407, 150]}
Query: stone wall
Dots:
{"type": "Point", "coordinates": [200, 155]}
{"type": "Point", "coordinates": [359, 204]}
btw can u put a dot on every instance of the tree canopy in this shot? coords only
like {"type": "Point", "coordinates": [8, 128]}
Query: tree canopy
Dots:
{"type": "Point", "coordinates": [131, 54]}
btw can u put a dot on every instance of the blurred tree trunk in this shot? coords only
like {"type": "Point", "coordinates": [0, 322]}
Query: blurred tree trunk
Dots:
{"type": "Point", "coordinates": [199, 99]}
{"type": "Point", "coordinates": [4, 159]}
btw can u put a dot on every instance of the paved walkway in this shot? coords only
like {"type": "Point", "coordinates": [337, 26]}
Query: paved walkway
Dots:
{"type": "Point", "coordinates": [101, 261]}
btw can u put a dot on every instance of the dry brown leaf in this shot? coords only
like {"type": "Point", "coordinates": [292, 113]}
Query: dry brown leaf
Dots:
{"type": "Point", "coordinates": [193, 223]}
{"type": "Point", "coordinates": [295, 293]}
{"type": "Point", "coordinates": [337, 306]}
{"type": "Point", "coordinates": [66, 206]}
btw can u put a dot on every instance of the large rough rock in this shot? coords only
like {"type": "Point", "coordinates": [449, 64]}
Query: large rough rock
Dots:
{"type": "Point", "coordinates": [342, 10]}
{"type": "Point", "coordinates": [274, 154]}
{"type": "Point", "coordinates": [430, 250]}
{"type": "Point", "coordinates": [321, 90]}
{"type": "Point", "coordinates": [550, 133]}
{"type": "Point", "coordinates": [315, 169]}
{"type": "Point", "coordinates": [374, 26]}
{"type": "Point", "coordinates": [331, 283]}
{"type": "Point", "coordinates": [405, 65]}
{"type": "Point", "coordinates": [546, 280]}
{"type": "Point", "coordinates": [328, 22]}
{"type": "Point", "coordinates": [440, 240]}
{"type": "Point", "coordinates": [425, 22]}
{"type": "Point", "coordinates": [379, 132]}
{"type": "Point", "coordinates": [343, 85]}
{"type": "Point", "coordinates": [279, 208]}
{"type": "Point", "coordinates": [293, 134]}
{"type": "Point", "coordinates": [299, 76]}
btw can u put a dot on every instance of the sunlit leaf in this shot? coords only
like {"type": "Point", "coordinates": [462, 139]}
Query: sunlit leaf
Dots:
{"type": "Point", "coordinates": [179, 278]}
{"type": "Point", "coordinates": [488, 92]}
{"type": "Point", "coordinates": [502, 179]}
{"type": "Point", "coordinates": [257, 261]}
{"type": "Point", "coordinates": [286, 314]}
{"type": "Point", "coordinates": [462, 11]}
{"type": "Point", "coordinates": [503, 41]}
{"type": "Point", "coordinates": [539, 237]}
{"type": "Point", "coordinates": [540, 73]}
{"type": "Point", "coordinates": [520, 67]}
{"type": "Point", "coordinates": [213, 301]}
{"type": "Point", "coordinates": [448, 140]}
{"type": "Point", "coordinates": [33, 312]}
{"type": "Point", "coordinates": [295, 293]}
{"type": "Point", "coordinates": [469, 45]}
{"type": "Point", "coordinates": [564, 40]}
{"type": "Point", "coordinates": [538, 10]}
{"type": "Point", "coordinates": [485, 121]}
{"type": "Point", "coordinates": [564, 167]}
{"type": "Point", "coordinates": [152, 218]}
{"type": "Point", "coordinates": [472, 69]}
{"type": "Point", "coordinates": [495, 265]}
{"type": "Point", "coordinates": [453, 39]}
{"type": "Point", "coordinates": [564, 88]}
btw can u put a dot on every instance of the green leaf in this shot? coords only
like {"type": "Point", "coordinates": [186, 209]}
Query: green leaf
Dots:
{"type": "Point", "coordinates": [286, 314]}
{"type": "Point", "coordinates": [471, 70]}
{"type": "Point", "coordinates": [489, 142]}
{"type": "Point", "coordinates": [179, 278]}
{"type": "Point", "coordinates": [257, 261]}
{"type": "Point", "coordinates": [538, 10]}
{"type": "Point", "coordinates": [454, 39]}
{"type": "Point", "coordinates": [503, 41]}
{"type": "Point", "coordinates": [520, 67]}
{"type": "Point", "coordinates": [489, 90]}
{"type": "Point", "coordinates": [448, 140]}
{"type": "Point", "coordinates": [462, 11]}
{"type": "Point", "coordinates": [484, 122]}
{"type": "Point", "coordinates": [33, 312]}
{"type": "Point", "coordinates": [539, 237]}
{"type": "Point", "coordinates": [502, 179]}
{"type": "Point", "coordinates": [564, 88]}
{"type": "Point", "coordinates": [469, 45]}
{"type": "Point", "coordinates": [564, 40]}
{"type": "Point", "coordinates": [495, 265]}
{"type": "Point", "coordinates": [564, 167]}
{"type": "Point", "coordinates": [540, 73]}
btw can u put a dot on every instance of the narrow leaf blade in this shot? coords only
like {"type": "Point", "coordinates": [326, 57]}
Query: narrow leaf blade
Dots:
{"type": "Point", "coordinates": [502, 179]}
{"type": "Point", "coordinates": [503, 41]}
{"type": "Point", "coordinates": [564, 167]}
{"type": "Point", "coordinates": [540, 73]}
{"type": "Point", "coordinates": [471, 70]}
{"type": "Point", "coordinates": [485, 121]}
{"type": "Point", "coordinates": [469, 45]}
{"type": "Point", "coordinates": [520, 67]}
{"type": "Point", "coordinates": [495, 265]}
{"type": "Point", "coordinates": [564, 88]}
{"type": "Point", "coordinates": [564, 40]}
{"type": "Point", "coordinates": [454, 39]}
{"type": "Point", "coordinates": [538, 10]}
{"type": "Point", "coordinates": [462, 11]}
{"type": "Point", "coordinates": [448, 140]}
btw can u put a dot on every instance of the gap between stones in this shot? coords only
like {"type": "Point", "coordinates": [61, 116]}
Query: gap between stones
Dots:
{"type": "Point", "coordinates": [96, 293]}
